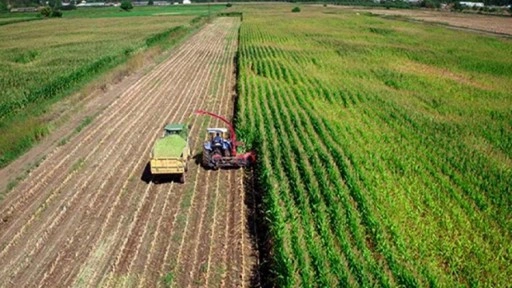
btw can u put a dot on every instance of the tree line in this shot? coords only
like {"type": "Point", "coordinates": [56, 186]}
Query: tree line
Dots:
{"type": "Point", "coordinates": [5, 5]}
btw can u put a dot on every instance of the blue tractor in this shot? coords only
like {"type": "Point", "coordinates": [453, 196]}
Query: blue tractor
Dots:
{"type": "Point", "coordinates": [220, 150]}
{"type": "Point", "coordinates": [217, 143]}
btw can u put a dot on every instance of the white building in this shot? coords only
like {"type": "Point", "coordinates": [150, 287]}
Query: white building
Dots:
{"type": "Point", "coordinates": [92, 4]}
{"type": "Point", "coordinates": [472, 4]}
{"type": "Point", "coordinates": [186, 2]}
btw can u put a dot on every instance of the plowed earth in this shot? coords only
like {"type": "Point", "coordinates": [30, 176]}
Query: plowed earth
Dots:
{"type": "Point", "coordinates": [484, 23]}
{"type": "Point", "coordinates": [89, 214]}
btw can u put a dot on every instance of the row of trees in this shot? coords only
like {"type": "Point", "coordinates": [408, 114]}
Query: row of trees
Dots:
{"type": "Point", "coordinates": [371, 2]}
{"type": "Point", "coordinates": [19, 3]}
{"type": "Point", "coordinates": [52, 8]}
{"type": "Point", "coordinates": [5, 5]}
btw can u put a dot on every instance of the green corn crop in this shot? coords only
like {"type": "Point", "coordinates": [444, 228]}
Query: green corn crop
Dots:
{"type": "Point", "coordinates": [384, 149]}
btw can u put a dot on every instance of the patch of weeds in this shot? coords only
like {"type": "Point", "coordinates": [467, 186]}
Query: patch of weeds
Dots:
{"type": "Point", "coordinates": [81, 281]}
{"type": "Point", "coordinates": [168, 279]}
{"type": "Point", "coordinates": [26, 57]}
{"type": "Point", "coordinates": [14, 182]}
{"type": "Point", "coordinates": [77, 165]}
{"type": "Point", "coordinates": [219, 272]}
{"type": "Point", "coordinates": [203, 268]}
{"type": "Point", "coordinates": [381, 31]}
{"type": "Point", "coordinates": [63, 141]}
{"type": "Point", "coordinates": [211, 209]}
{"type": "Point", "coordinates": [87, 120]}
{"type": "Point", "coordinates": [199, 282]}
{"type": "Point", "coordinates": [181, 219]}
{"type": "Point", "coordinates": [188, 200]}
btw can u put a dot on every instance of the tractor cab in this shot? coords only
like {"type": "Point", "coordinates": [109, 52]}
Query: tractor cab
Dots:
{"type": "Point", "coordinates": [217, 132]}
{"type": "Point", "coordinates": [219, 141]}
{"type": "Point", "coordinates": [176, 129]}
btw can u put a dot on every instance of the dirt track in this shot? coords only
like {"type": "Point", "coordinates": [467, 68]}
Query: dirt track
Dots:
{"type": "Point", "coordinates": [88, 216]}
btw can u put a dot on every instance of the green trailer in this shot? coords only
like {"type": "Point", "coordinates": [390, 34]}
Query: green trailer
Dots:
{"type": "Point", "coordinates": [171, 152]}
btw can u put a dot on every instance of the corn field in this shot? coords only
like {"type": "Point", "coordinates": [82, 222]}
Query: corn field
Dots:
{"type": "Point", "coordinates": [43, 61]}
{"type": "Point", "coordinates": [385, 149]}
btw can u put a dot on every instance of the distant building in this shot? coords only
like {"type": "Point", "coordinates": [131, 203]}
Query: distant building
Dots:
{"type": "Point", "coordinates": [146, 3]}
{"type": "Point", "coordinates": [92, 4]}
{"type": "Point", "coordinates": [472, 4]}
{"type": "Point", "coordinates": [186, 2]}
{"type": "Point", "coordinates": [23, 9]}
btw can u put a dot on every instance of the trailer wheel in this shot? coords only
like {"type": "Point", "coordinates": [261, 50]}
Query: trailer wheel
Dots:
{"type": "Point", "coordinates": [182, 178]}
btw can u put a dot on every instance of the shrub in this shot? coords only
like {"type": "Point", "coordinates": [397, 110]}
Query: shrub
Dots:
{"type": "Point", "coordinates": [3, 6]}
{"type": "Point", "coordinates": [126, 5]}
{"type": "Point", "coordinates": [457, 6]}
{"type": "Point", "coordinates": [430, 4]}
{"type": "Point", "coordinates": [56, 14]}
{"type": "Point", "coordinates": [229, 5]}
{"type": "Point", "coordinates": [46, 11]}
{"type": "Point", "coordinates": [296, 9]}
{"type": "Point", "coordinates": [50, 12]}
{"type": "Point", "coordinates": [151, 3]}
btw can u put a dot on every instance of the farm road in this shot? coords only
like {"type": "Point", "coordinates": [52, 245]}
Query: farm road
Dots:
{"type": "Point", "coordinates": [85, 216]}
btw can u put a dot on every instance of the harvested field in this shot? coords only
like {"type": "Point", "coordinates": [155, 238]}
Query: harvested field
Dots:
{"type": "Point", "coordinates": [89, 214]}
{"type": "Point", "coordinates": [492, 24]}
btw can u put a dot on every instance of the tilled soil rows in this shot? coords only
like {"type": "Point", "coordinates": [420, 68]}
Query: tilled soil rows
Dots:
{"type": "Point", "coordinates": [482, 23]}
{"type": "Point", "coordinates": [87, 216]}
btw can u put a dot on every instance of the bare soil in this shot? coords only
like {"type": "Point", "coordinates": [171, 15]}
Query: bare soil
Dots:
{"type": "Point", "coordinates": [89, 215]}
{"type": "Point", "coordinates": [483, 23]}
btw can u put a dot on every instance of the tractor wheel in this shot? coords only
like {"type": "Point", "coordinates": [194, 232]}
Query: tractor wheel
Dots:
{"type": "Point", "coordinates": [206, 158]}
